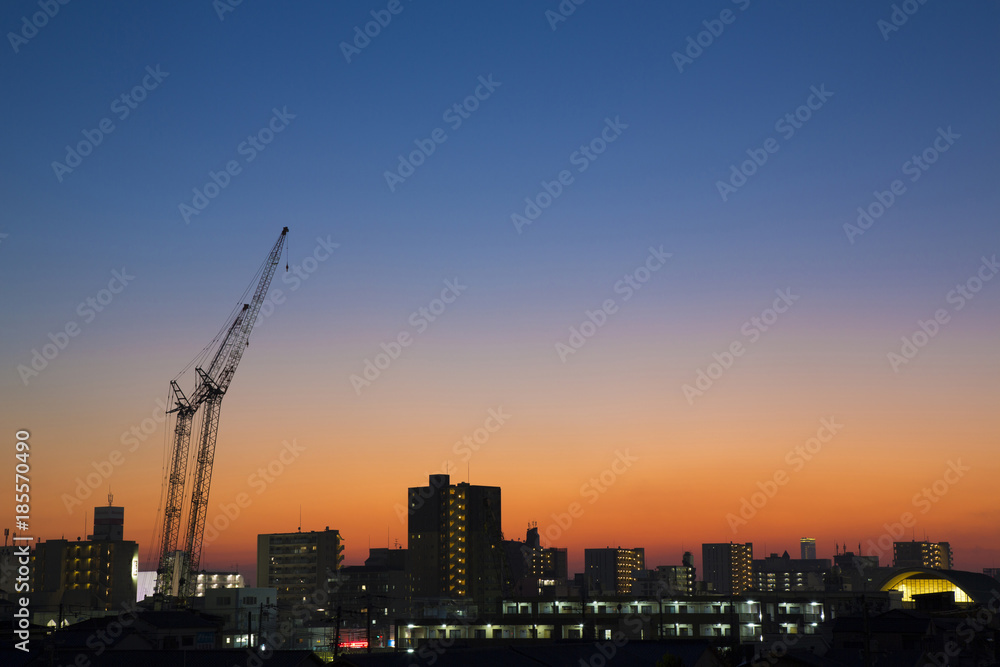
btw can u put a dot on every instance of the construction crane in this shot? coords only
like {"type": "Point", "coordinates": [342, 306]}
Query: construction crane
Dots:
{"type": "Point", "coordinates": [169, 571]}
{"type": "Point", "coordinates": [178, 568]}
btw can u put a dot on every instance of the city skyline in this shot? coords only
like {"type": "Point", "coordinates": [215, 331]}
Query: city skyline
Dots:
{"type": "Point", "coordinates": [683, 275]}
{"type": "Point", "coordinates": [883, 550]}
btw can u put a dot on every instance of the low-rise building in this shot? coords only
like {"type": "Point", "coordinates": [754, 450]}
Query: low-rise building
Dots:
{"type": "Point", "coordinates": [784, 573]}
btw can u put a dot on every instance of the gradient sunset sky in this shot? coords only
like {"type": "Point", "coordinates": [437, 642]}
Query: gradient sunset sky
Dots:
{"type": "Point", "coordinates": [879, 97]}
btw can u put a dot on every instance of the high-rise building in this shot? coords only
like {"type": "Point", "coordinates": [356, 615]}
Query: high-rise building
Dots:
{"type": "Point", "coordinates": [100, 573]}
{"type": "Point", "coordinates": [298, 564]}
{"type": "Point", "coordinates": [808, 548]}
{"type": "Point", "coordinates": [728, 567]}
{"type": "Point", "coordinates": [612, 571]}
{"type": "Point", "coordinates": [455, 545]}
{"type": "Point", "coordinates": [935, 555]}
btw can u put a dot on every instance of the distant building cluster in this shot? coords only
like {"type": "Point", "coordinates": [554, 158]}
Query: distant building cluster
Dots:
{"type": "Point", "coordinates": [459, 579]}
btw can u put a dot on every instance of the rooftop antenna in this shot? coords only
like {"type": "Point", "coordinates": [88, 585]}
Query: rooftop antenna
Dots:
{"type": "Point", "coordinates": [300, 517]}
{"type": "Point", "coordinates": [110, 496]}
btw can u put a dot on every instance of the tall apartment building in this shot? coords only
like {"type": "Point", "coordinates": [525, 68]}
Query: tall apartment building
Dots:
{"type": "Point", "coordinates": [298, 564]}
{"type": "Point", "coordinates": [936, 555]}
{"type": "Point", "coordinates": [455, 547]}
{"type": "Point", "coordinates": [612, 571]}
{"type": "Point", "coordinates": [807, 547]}
{"type": "Point", "coordinates": [100, 573]}
{"type": "Point", "coordinates": [728, 567]}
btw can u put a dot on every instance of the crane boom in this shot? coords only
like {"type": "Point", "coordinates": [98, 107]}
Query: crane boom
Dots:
{"type": "Point", "coordinates": [214, 385]}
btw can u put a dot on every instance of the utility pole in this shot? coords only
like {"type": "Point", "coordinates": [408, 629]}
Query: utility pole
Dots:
{"type": "Point", "coordinates": [868, 636]}
{"type": "Point", "coordinates": [368, 623]}
{"type": "Point", "coordinates": [336, 636]}
{"type": "Point", "coordinates": [659, 628]}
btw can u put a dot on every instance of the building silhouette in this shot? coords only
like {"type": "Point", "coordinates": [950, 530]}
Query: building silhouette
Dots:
{"type": "Point", "coordinates": [370, 597]}
{"type": "Point", "coordinates": [728, 567]}
{"type": "Point", "coordinates": [807, 548]}
{"type": "Point", "coordinates": [100, 573]}
{"type": "Point", "coordinates": [455, 545]}
{"type": "Point", "coordinates": [534, 569]}
{"type": "Point", "coordinates": [667, 580]}
{"type": "Point", "coordinates": [109, 523]}
{"type": "Point", "coordinates": [612, 571]}
{"type": "Point", "coordinates": [784, 573]}
{"type": "Point", "coordinates": [935, 555]}
{"type": "Point", "coordinates": [298, 564]}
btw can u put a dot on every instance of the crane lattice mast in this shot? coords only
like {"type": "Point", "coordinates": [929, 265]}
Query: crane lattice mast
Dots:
{"type": "Point", "coordinates": [168, 571]}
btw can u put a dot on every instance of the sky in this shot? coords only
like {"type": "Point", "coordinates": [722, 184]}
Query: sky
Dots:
{"type": "Point", "coordinates": [667, 275]}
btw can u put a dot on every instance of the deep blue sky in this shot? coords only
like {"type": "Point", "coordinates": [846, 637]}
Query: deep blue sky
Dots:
{"type": "Point", "coordinates": [352, 120]}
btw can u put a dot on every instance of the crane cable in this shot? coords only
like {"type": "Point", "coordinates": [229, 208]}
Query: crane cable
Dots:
{"type": "Point", "coordinates": [156, 536]}
{"type": "Point", "coordinates": [209, 350]}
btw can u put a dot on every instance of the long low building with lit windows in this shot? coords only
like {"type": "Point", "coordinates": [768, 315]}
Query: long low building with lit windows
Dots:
{"type": "Point", "coordinates": [697, 617]}
{"type": "Point", "coordinates": [758, 616]}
